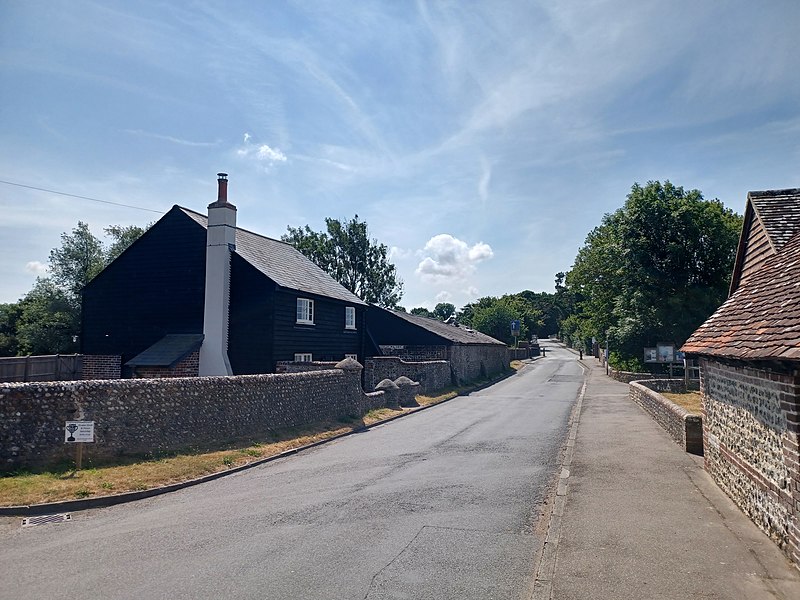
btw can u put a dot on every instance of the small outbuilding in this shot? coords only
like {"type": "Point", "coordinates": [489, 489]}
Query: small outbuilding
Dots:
{"type": "Point", "coordinates": [472, 355]}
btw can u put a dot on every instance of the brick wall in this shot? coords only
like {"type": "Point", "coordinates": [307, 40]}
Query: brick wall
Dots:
{"type": "Point", "coordinates": [188, 367]}
{"type": "Point", "coordinates": [751, 444]}
{"type": "Point", "coordinates": [684, 427]}
{"type": "Point", "coordinates": [152, 416]}
{"type": "Point", "coordinates": [100, 366]}
{"type": "Point", "coordinates": [431, 375]}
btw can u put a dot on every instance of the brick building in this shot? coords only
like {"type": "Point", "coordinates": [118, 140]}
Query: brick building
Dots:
{"type": "Point", "coordinates": [749, 352]}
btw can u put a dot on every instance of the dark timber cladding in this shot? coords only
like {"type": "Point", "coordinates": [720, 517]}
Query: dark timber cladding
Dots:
{"type": "Point", "coordinates": [156, 288]}
{"type": "Point", "coordinates": [153, 289]}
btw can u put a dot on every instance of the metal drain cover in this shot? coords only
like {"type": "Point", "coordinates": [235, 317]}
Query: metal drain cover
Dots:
{"type": "Point", "coordinates": [33, 521]}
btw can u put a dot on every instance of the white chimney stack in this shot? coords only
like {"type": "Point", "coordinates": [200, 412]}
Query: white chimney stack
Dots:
{"type": "Point", "coordinates": [221, 241]}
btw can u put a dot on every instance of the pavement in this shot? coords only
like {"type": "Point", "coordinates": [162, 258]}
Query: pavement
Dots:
{"type": "Point", "coordinates": [637, 517]}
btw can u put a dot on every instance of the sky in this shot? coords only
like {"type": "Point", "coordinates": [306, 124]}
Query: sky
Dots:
{"type": "Point", "coordinates": [481, 141]}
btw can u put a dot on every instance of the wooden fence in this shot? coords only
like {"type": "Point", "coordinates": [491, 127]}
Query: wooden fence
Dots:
{"type": "Point", "coordinates": [55, 367]}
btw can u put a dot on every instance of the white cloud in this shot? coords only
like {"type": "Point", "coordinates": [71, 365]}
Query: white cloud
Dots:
{"type": "Point", "coordinates": [397, 253]}
{"type": "Point", "coordinates": [36, 267]}
{"type": "Point", "coordinates": [448, 258]}
{"type": "Point", "coordinates": [260, 152]}
{"type": "Point", "coordinates": [444, 296]}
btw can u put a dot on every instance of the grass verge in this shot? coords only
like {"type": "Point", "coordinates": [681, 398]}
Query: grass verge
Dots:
{"type": "Point", "coordinates": [691, 401]}
{"type": "Point", "coordinates": [130, 475]}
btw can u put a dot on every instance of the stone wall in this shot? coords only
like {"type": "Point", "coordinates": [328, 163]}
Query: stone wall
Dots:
{"type": "Point", "coordinates": [97, 366]}
{"type": "Point", "coordinates": [518, 353]}
{"type": "Point", "coordinates": [477, 362]}
{"type": "Point", "coordinates": [752, 418]}
{"type": "Point", "coordinates": [152, 416]}
{"type": "Point", "coordinates": [431, 375]}
{"type": "Point", "coordinates": [684, 427]}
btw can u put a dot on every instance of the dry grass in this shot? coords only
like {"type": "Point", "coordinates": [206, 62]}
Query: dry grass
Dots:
{"type": "Point", "coordinates": [691, 401]}
{"type": "Point", "coordinates": [38, 487]}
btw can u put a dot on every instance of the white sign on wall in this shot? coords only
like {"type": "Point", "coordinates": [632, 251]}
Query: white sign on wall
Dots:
{"type": "Point", "coordinates": [78, 431]}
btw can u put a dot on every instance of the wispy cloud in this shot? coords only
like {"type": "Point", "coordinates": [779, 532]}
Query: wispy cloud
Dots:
{"type": "Point", "coordinates": [169, 138]}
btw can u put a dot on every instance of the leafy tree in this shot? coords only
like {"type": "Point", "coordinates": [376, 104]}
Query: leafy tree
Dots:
{"type": "Point", "coordinates": [9, 317]}
{"type": "Point", "coordinates": [652, 271]}
{"type": "Point", "coordinates": [443, 311]}
{"type": "Point", "coordinates": [421, 311]}
{"type": "Point", "coordinates": [493, 316]}
{"type": "Point", "coordinates": [49, 320]}
{"type": "Point", "coordinates": [79, 258]}
{"type": "Point", "coordinates": [347, 254]}
{"type": "Point", "coordinates": [122, 236]}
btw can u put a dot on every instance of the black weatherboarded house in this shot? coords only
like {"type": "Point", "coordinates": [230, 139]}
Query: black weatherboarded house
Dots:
{"type": "Point", "coordinates": [271, 303]}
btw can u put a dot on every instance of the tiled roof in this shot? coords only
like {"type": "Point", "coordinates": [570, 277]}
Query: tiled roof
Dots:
{"type": "Point", "coordinates": [284, 264]}
{"type": "Point", "coordinates": [761, 320]}
{"type": "Point", "coordinates": [168, 351]}
{"type": "Point", "coordinates": [779, 211]}
{"type": "Point", "coordinates": [454, 333]}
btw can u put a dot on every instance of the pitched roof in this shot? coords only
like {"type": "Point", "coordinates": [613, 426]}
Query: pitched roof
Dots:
{"type": "Point", "coordinates": [761, 320]}
{"type": "Point", "coordinates": [771, 219]}
{"type": "Point", "coordinates": [283, 263]}
{"type": "Point", "coordinates": [455, 333]}
{"type": "Point", "coordinates": [168, 351]}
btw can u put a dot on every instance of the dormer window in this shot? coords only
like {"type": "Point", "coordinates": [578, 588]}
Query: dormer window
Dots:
{"type": "Point", "coordinates": [350, 317]}
{"type": "Point", "coordinates": [305, 311]}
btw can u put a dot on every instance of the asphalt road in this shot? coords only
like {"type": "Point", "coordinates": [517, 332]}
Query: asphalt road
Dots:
{"type": "Point", "coordinates": [440, 504]}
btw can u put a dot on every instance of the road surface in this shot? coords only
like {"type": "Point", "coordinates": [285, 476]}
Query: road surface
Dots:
{"type": "Point", "coordinates": [441, 504]}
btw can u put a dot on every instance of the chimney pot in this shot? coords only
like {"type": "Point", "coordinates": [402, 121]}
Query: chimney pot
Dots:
{"type": "Point", "coordinates": [222, 180]}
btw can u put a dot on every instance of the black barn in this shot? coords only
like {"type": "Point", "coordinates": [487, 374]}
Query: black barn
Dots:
{"type": "Point", "coordinates": [282, 306]}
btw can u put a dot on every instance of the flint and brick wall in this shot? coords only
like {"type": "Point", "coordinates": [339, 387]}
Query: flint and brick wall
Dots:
{"type": "Point", "coordinates": [684, 427]}
{"type": "Point", "coordinates": [289, 366]}
{"type": "Point", "coordinates": [431, 375]}
{"type": "Point", "coordinates": [152, 416]}
{"type": "Point", "coordinates": [101, 366]}
{"type": "Point", "coordinates": [752, 419]}
{"type": "Point", "coordinates": [416, 353]}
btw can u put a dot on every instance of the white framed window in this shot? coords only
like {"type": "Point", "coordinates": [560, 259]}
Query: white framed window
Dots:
{"type": "Point", "coordinates": [353, 356]}
{"type": "Point", "coordinates": [303, 357]}
{"type": "Point", "coordinates": [305, 311]}
{"type": "Point", "coordinates": [349, 317]}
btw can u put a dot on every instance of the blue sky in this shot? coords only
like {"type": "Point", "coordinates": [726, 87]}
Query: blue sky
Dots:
{"type": "Point", "coordinates": [481, 141]}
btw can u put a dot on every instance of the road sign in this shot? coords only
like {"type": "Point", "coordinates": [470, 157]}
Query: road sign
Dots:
{"type": "Point", "coordinates": [515, 328]}
{"type": "Point", "coordinates": [78, 431]}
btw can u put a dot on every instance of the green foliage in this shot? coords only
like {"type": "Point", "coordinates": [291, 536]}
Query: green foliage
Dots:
{"type": "Point", "coordinates": [79, 258]}
{"type": "Point", "coordinates": [421, 311]}
{"type": "Point", "coordinates": [48, 320]}
{"type": "Point", "coordinates": [347, 254]}
{"type": "Point", "coordinates": [9, 318]}
{"type": "Point", "coordinates": [493, 316]}
{"type": "Point", "coordinates": [122, 236]}
{"type": "Point", "coordinates": [653, 271]}
{"type": "Point", "coordinates": [443, 311]}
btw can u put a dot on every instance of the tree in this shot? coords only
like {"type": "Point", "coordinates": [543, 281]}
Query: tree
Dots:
{"type": "Point", "coordinates": [493, 316]}
{"type": "Point", "coordinates": [421, 311]}
{"type": "Point", "coordinates": [49, 320]}
{"type": "Point", "coordinates": [9, 318]}
{"type": "Point", "coordinates": [654, 270]}
{"type": "Point", "coordinates": [443, 311]}
{"type": "Point", "coordinates": [79, 258]}
{"type": "Point", "coordinates": [122, 237]}
{"type": "Point", "coordinates": [347, 254]}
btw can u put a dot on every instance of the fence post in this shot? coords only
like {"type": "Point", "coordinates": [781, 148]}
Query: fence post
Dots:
{"type": "Point", "coordinates": [25, 373]}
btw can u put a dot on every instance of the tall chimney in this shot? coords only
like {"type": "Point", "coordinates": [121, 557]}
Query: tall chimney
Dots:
{"type": "Point", "coordinates": [220, 242]}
